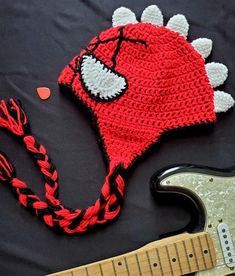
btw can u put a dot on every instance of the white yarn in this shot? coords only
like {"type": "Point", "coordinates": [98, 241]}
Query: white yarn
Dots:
{"type": "Point", "coordinates": [123, 16]}
{"type": "Point", "coordinates": [178, 23]}
{"type": "Point", "coordinates": [217, 73]}
{"type": "Point", "coordinates": [100, 81]}
{"type": "Point", "coordinates": [222, 101]}
{"type": "Point", "coordinates": [152, 14]}
{"type": "Point", "coordinates": [203, 46]}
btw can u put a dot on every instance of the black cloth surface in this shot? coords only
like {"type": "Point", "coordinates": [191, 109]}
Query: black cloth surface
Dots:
{"type": "Point", "coordinates": [38, 38]}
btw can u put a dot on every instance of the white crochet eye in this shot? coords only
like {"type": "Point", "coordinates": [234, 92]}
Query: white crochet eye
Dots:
{"type": "Point", "coordinates": [178, 23]}
{"type": "Point", "coordinates": [222, 101]}
{"type": "Point", "coordinates": [123, 16]}
{"type": "Point", "coordinates": [203, 46]}
{"type": "Point", "coordinates": [152, 14]}
{"type": "Point", "coordinates": [217, 73]}
{"type": "Point", "coordinates": [101, 82]}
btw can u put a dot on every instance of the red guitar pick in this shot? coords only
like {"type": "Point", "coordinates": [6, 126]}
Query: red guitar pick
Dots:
{"type": "Point", "coordinates": [43, 92]}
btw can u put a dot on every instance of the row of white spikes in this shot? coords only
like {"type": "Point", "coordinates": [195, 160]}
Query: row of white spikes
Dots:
{"type": "Point", "coordinates": [217, 72]}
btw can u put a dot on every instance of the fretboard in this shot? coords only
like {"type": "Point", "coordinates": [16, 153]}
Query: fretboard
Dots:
{"type": "Point", "coordinates": [178, 255]}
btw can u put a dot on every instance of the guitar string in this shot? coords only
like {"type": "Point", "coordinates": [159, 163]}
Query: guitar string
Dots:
{"type": "Point", "coordinates": [162, 260]}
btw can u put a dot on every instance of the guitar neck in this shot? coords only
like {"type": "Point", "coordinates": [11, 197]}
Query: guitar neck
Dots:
{"type": "Point", "coordinates": [178, 255]}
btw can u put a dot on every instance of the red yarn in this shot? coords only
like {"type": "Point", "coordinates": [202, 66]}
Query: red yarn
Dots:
{"type": "Point", "coordinates": [162, 85]}
{"type": "Point", "coordinates": [53, 212]}
{"type": "Point", "coordinates": [168, 88]}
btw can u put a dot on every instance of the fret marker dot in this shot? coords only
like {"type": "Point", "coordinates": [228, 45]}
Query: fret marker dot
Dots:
{"type": "Point", "coordinates": [190, 255]}
{"type": "Point", "coordinates": [205, 251]}
{"type": "Point", "coordinates": [119, 263]}
{"type": "Point", "coordinates": [155, 264]}
{"type": "Point", "coordinates": [174, 260]}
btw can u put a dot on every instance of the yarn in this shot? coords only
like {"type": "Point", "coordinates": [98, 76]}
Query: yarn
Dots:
{"type": "Point", "coordinates": [168, 87]}
{"type": "Point", "coordinates": [138, 80]}
{"type": "Point", "coordinates": [53, 212]}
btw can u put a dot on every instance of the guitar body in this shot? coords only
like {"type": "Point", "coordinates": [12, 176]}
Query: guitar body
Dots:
{"type": "Point", "coordinates": [213, 193]}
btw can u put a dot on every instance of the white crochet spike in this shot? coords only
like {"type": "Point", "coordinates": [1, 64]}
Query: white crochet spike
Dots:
{"type": "Point", "coordinates": [203, 46]}
{"type": "Point", "coordinates": [152, 14]}
{"type": "Point", "coordinates": [123, 16]}
{"type": "Point", "coordinates": [222, 101]}
{"type": "Point", "coordinates": [178, 23]}
{"type": "Point", "coordinates": [217, 73]}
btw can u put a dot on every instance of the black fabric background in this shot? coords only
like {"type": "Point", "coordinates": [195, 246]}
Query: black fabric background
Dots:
{"type": "Point", "coordinates": [37, 39]}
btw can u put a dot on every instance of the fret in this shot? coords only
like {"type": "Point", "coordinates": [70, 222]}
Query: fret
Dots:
{"type": "Point", "coordinates": [191, 255]}
{"type": "Point", "coordinates": [178, 258]}
{"type": "Point", "coordinates": [169, 259]}
{"type": "Point", "coordinates": [201, 257]}
{"type": "Point", "coordinates": [144, 263]}
{"type": "Point", "coordinates": [101, 270]}
{"type": "Point", "coordinates": [138, 264]}
{"type": "Point", "coordinates": [148, 258]}
{"type": "Point", "coordinates": [114, 269]}
{"type": "Point", "coordinates": [120, 266]}
{"type": "Point", "coordinates": [160, 264]}
{"type": "Point", "coordinates": [183, 257]}
{"type": "Point", "coordinates": [173, 259]}
{"type": "Point", "coordinates": [93, 269]}
{"type": "Point", "coordinates": [105, 267]}
{"type": "Point", "coordinates": [154, 262]}
{"type": "Point", "coordinates": [132, 264]}
{"type": "Point", "coordinates": [208, 243]}
{"type": "Point", "coordinates": [194, 254]}
{"type": "Point", "coordinates": [77, 272]}
{"type": "Point", "coordinates": [127, 269]}
{"type": "Point", "coordinates": [166, 264]}
{"type": "Point", "coordinates": [206, 251]}
{"type": "Point", "coordinates": [198, 253]}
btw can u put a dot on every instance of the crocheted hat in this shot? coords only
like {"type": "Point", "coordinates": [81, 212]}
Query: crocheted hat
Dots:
{"type": "Point", "coordinates": [139, 80]}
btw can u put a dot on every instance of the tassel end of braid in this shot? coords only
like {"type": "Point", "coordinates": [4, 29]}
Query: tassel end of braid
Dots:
{"type": "Point", "coordinates": [13, 117]}
{"type": "Point", "coordinates": [7, 170]}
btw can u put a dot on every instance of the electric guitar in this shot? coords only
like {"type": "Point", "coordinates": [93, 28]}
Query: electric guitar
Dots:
{"type": "Point", "coordinates": [208, 252]}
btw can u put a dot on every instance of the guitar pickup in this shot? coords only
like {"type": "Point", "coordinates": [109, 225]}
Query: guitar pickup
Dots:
{"type": "Point", "coordinates": [226, 244]}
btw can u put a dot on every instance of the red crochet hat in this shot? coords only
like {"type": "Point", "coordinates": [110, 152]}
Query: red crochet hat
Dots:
{"type": "Point", "coordinates": [139, 80]}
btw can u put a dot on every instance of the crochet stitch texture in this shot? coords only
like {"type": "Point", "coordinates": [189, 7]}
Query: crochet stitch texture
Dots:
{"type": "Point", "coordinates": [139, 80]}
{"type": "Point", "coordinates": [167, 83]}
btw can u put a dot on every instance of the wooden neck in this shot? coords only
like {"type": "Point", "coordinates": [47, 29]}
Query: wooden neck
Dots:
{"type": "Point", "coordinates": [177, 255]}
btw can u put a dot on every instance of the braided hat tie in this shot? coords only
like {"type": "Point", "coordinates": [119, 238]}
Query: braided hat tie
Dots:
{"type": "Point", "coordinates": [138, 80]}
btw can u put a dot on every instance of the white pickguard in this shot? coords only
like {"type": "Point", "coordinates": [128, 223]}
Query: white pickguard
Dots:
{"type": "Point", "coordinates": [218, 197]}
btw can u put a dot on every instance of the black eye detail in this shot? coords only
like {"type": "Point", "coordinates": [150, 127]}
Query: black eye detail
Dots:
{"type": "Point", "coordinates": [100, 81]}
